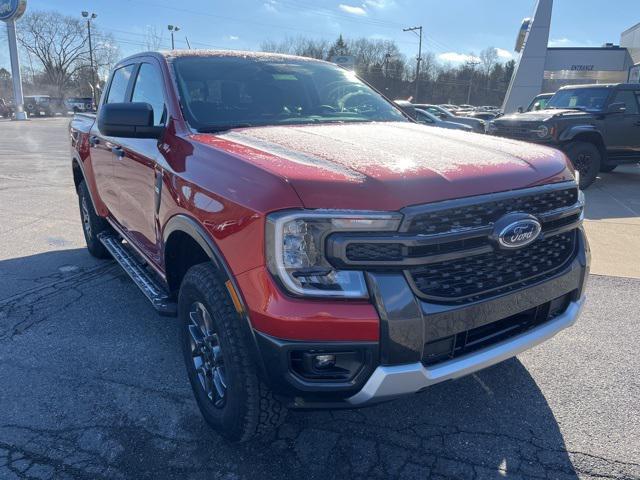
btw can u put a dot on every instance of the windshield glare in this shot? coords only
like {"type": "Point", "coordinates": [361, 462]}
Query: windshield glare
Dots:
{"type": "Point", "coordinates": [219, 92]}
{"type": "Point", "coordinates": [582, 98]}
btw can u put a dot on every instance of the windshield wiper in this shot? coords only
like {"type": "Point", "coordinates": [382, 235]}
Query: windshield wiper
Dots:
{"type": "Point", "coordinates": [223, 128]}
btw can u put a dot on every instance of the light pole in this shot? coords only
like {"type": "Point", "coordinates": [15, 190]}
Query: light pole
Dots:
{"type": "Point", "coordinates": [419, 59]}
{"type": "Point", "coordinates": [172, 29]}
{"type": "Point", "coordinates": [473, 65]}
{"type": "Point", "coordinates": [89, 17]}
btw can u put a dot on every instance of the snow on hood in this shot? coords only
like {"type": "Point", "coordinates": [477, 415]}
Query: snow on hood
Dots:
{"type": "Point", "coordinates": [384, 166]}
{"type": "Point", "coordinates": [540, 115]}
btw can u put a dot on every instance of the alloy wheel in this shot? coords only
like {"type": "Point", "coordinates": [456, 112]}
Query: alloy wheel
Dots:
{"type": "Point", "coordinates": [86, 219]}
{"type": "Point", "coordinates": [583, 163]}
{"type": "Point", "coordinates": [206, 352]}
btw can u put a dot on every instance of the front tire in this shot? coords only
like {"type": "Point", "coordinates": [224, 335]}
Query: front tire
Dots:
{"type": "Point", "coordinates": [92, 223]}
{"type": "Point", "coordinates": [231, 397]}
{"type": "Point", "coordinates": [607, 168]}
{"type": "Point", "coordinates": [586, 159]}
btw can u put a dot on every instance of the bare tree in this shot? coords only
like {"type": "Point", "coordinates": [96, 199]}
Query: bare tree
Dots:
{"type": "Point", "coordinates": [153, 38]}
{"type": "Point", "coordinates": [488, 59]}
{"type": "Point", "coordinates": [305, 47]}
{"type": "Point", "coordinates": [60, 43]}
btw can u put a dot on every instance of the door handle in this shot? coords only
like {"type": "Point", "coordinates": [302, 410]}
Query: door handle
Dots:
{"type": "Point", "coordinates": [93, 141]}
{"type": "Point", "coordinates": [117, 151]}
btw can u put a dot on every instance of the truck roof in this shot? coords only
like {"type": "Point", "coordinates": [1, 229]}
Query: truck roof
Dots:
{"type": "Point", "coordinates": [630, 86]}
{"type": "Point", "coordinates": [170, 54]}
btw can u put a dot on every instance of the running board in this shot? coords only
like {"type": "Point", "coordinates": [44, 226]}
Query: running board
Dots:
{"type": "Point", "coordinates": [135, 268]}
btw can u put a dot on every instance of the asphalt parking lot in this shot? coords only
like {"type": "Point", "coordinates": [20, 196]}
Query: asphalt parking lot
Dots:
{"type": "Point", "coordinates": [92, 382]}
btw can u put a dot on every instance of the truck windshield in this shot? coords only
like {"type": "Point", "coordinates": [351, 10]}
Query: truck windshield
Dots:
{"type": "Point", "coordinates": [221, 92]}
{"type": "Point", "coordinates": [592, 99]}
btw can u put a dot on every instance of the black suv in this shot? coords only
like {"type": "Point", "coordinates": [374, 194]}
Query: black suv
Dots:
{"type": "Point", "coordinates": [597, 126]}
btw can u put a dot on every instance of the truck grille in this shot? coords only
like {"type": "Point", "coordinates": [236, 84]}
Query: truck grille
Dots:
{"type": "Point", "coordinates": [482, 214]}
{"type": "Point", "coordinates": [477, 277]}
{"type": "Point", "coordinates": [448, 250]}
{"type": "Point", "coordinates": [513, 131]}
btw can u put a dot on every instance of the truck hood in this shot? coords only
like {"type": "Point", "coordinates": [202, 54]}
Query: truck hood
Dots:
{"type": "Point", "coordinates": [542, 116]}
{"type": "Point", "coordinates": [387, 166]}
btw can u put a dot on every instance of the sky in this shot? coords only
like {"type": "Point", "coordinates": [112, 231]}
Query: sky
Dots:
{"type": "Point", "coordinates": [453, 29]}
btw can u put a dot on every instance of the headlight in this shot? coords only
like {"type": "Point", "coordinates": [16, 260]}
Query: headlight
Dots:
{"type": "Point", "coordinates": [542, 131]}
{"type": "Point", "coordinates": [295, 250]}
{"type": "Point", "coordinates": [491, 127]}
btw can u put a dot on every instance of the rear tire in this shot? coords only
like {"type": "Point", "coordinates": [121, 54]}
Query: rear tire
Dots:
{"type": "Point", "coordinates": [586, 159]}
{"type": "Point", "coordinates": [224, 378]}
{"type": "Point", "coordinates": [92, 223]}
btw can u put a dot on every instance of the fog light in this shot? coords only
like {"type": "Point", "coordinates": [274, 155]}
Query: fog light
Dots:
{"type": "Point", "coordinates": [324, 361]}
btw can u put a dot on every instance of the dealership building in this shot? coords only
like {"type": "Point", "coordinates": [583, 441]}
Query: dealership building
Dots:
{"type": "Point", "coordinates": [542, 69]}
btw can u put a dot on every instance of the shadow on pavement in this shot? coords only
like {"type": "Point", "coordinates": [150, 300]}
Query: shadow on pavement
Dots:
{"type": "Point", "coordinates": [93, 386]}
{"type": "Point", "coordinates": [615, 194]}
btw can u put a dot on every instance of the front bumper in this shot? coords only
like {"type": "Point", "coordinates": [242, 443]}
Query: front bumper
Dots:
{"type": "Point", "coordinates": [394, 380]}
{"type": "Point", "coordinates": [397, 364]}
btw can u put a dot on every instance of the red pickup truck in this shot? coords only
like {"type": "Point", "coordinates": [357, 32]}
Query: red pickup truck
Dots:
{"type": "Point", "coordinates": [320, 249]}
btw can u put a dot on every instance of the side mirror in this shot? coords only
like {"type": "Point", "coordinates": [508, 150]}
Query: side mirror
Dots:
{"type": "Point", "coordinates": [128, 120]}
{"type": "Point", "coordinates": [520, 109]}
{"type": "Point", "coordinates": [617, 107]}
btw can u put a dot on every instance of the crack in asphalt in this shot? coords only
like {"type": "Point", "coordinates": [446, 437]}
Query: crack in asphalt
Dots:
{"type": "Point", "coordinates": [63, 449]}
{"type": "Point", "coordinates": [17, 313]}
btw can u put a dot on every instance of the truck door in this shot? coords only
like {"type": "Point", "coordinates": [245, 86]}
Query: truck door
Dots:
{"type": "Point", "coordinates": [103, 148]}
{"type": "Point", "coordinates": [623, 129]}
{"type": "Point", "coordinates": [139, 166]}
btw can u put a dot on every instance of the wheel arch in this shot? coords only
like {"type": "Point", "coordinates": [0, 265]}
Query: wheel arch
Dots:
{"type": "Point", "coordinates": [78, 172]}
{"type": "Point", "coordinates": [183, 228]}
{"type": "Point", "coordinates": [585, 133]}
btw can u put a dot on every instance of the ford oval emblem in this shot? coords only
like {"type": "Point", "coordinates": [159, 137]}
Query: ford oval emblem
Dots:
{"type": "Point", "coordinates": [519, 233]}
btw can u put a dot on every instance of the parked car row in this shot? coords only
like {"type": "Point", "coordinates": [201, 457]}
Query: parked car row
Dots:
{"type": "Point", "coordinates": [440, 116]}
{"type": "Point", "coordinates": [6, 110]}
{"type": "Point", "coordinates": [47, 106]}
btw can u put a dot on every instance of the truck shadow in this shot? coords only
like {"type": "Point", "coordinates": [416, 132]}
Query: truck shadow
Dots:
{"type": "Point", "coordinates": [91, 349]}
{"type": "Point", "coordinates": [493, 424]}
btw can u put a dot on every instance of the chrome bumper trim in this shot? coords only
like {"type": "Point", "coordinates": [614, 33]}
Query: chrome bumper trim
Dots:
{"type": "Point", "coordinates": [391, 381]}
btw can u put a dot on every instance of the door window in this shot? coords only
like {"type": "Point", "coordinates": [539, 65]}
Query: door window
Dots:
{"type": "Point", "coordinates": [119, 83]}
{"type": "Point", "coordinates": [629, 99]}
{"type": "Point", "coordinates": [148, 89]}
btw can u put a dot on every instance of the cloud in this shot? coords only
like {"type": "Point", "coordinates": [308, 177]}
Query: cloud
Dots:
{"type": "Point", "coordinates": [454, 57]}
{"type": "Point", "coordinates": [381, 4]}
{"type": "Point", "coordinates": [560, 42]}
{"type": "Point", "coordinates": [504, 54]}
{"type": "Point", "coordinates": [353, 10]}
{"type": "Point", "coordinates": [233, 37]}
{"type": "Point", "coordinates": [271, 5]}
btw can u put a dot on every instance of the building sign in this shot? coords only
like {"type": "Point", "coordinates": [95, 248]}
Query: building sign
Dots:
{"type": "Point", "coordinates": [12, 9]}
{"type": "Point", "coordinates": [582, 68]}
{"type": "Point", "coordinates": [522, 34]}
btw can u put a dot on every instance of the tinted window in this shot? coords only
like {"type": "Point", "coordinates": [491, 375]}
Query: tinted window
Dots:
{"type": "Point", "coordinates": [228, 90]}
{"type": "Point", "coordinates": [579, 98]}
{"type": "Point", "coordinates": [149, 89]}
{"type": "Point", "coordinates": [629, 99]}
{"type": "Point", "coordinates": [422, 117]}
{"type": "Point", "coordinates": [119, 83]}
